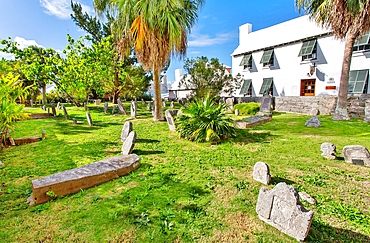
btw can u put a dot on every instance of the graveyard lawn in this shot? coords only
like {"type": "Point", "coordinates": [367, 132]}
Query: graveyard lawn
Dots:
{"type": "Point", "coordinates": [183, 191]}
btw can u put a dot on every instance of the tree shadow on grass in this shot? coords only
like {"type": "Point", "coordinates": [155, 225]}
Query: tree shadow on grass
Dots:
{"type": "Point", "coordinates": [147, 152]}
{"type": "Point", "coordinates": [144, 140]}
{"type": "Point", "coordinates": [321, 232]}
{"type": "Point", "coordinates": [244, 136]}
{"type": "Point", "coordinates": [277, 179]}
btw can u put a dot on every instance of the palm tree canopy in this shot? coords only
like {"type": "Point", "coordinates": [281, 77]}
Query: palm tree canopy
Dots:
{"type": "Point", "coordinates": [342, 16]}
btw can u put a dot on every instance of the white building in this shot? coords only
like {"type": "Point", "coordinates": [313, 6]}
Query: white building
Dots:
{"type": "Point", "coordinates": [297, 58]}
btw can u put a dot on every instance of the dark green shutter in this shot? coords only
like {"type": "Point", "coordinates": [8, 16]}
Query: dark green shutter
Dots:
{"type": "Point", "coordinates": [247, 83]}
{"type": "Point", "coordinates": [266, 85]}
{"type": "Point", "coordinates": [245, 60]}
{"type": "Point", "coordinates": [307, 48]}
{"type": "Point", "coordinates": [266, 57]}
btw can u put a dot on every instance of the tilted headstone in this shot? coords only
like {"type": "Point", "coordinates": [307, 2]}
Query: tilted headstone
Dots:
{"type": "Point", "coordinates": [304, 196]}
{"type": "Point", "coordinates": [328, 150]}
{"type": "Point", "coordinates": [236, 112]}
{"type": "Point", "coordinates": [74, 180]}
{"type": "Point", "coordinates": [31, 103]}
{"type": "Point", "coordinates": [149, 107]}
{"type": "Point", "coordinates": [129, 143]}
{"type": "Point", "coordinates": [133, 109]}
{"type": "Point", "coordinates": [89, 120]}
{"type": "Point", "coordinates": [281, 208]}
{"type": "Point", "coordinates": [53, 110]}
{"type": "Point", "coordinates": [58, 106]}
{"type": "Point", "coordinates": [172, 105]}
{"type": "Point", "coordinates": [261, 173]}
{"type": "Point", "coordinates": [170, 119]}
{"type": "Point", "coordinates": [313, 122]}
{"type": "Point", "coordinates": [367, 111]}
{"type": "Point", "coordinates": [43, 107]}
{"type": "Point", "coordinates": [356, 154]}
{"type": "Point", "coordinates": [106, 107]}
{"type": "Point", "coordinates": [126, 129]}
{"type": "Point", "coordinates": [121, 108]}
{"type": "Point", "coordinates": [65, 112]}
{"type": "Point", "coordinates": [74, 120]}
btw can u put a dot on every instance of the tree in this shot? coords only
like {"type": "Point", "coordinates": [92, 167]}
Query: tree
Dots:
{"type": "Point", "coordinates": [157, 29]}
{"type": "Point", "coordinates": [348, 20]}
{"type": "Point", "coordinates": [208, 77]}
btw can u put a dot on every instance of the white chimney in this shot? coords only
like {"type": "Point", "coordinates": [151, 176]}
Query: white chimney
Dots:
{"type": "Point", "coordinates": [244, 30]}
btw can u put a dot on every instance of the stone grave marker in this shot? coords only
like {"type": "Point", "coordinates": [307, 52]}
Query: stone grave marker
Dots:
{"type": "Point", "coordinates": [356, 154]}
{"type": "Point", "coordinates": [31, 103]}
{"type": "Point", "coordinates": [153, 110]}
{"type": "Point", "coordinates": [236, 112]}
{"type": "Point", "coordinates": [170, 120]}
{"type": "Point", "coordinates": [43, 134]}
{"type": "Point", "coordinates": [89, 120]}
{"type": "Point", "coordinates": [304, 196]}
{"type": "Point", "coordinates": [126, 129]}
{"type": "Point", "coordinates": [266, 104]}
{"type": "Point", "coordinates": [129, 143]}
{"type": "Point", "coordinates": [142, 101]}
{"type": "Point", "coordinates": [281, 208]}
{"type": "Point", "coordinates": [172, 105]}
{"type": "Point", "coordinates": [230, 103]}
{"type": "Point", "coordinates": [121, 108]}
{"type": "Point", "coordinates": [367, 111]}
{"type": "Point", "coordinates": [328, 150]}
{"type": "Point", "coordinates": [98, 102]}
{"type": "Point", "coordinates": [58, 106]}
{"type": "Point", "coordinates": [85, 106]}
{"type": "Point", "coordinates": [74, 120]}
{"type": "Point", "coordinates": [71, 181]}
{"type": "Point", "coordinates": [53, 110]}
{"type": "Point", "coordinates": [149, 107]}
{"type": "Point", "coordinates": [164, 103]}
{"type": "Point", "coordinates": [261, 173]}
{"type": "Point", "coordinates": [106, 107]}
{"type": "Point", "coordinates": [65, 112]}
{"type": "Point", "coordinates": [314, 112]}
{"type": "Point", "coordinates": [133, 109]}
{"type": "Point", "coordinates": [313, 122]}
{"type": "Point", "coordinates": [43, 107]}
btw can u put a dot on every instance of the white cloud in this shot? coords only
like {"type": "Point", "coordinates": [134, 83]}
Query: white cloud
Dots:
{"type": "Point", "coordinates": [6, 56]}
{"type": "Point", "coordinates": [199, 40]}
{"type": "Point", "coordinates": [61, 8]}
{"type": "Point", "coordinates": [23, 43]}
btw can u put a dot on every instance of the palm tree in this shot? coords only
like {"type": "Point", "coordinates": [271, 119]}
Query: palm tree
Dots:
{"type": "Point", "coordinates": [156, 29]}
{"type": "Point", "coordinates": [348, 20]}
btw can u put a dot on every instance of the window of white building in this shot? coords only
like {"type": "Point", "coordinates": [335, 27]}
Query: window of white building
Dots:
{"type": "Point", "coordinates": [308, 50]}
{"type": "Point", "coordinates": [247, 61]}
{"type": "Point", "coordinates": [362, 43]}
{"type": "Point", "coordinates": [246, 89]}
{"type": "Point", "coordinates": [358, 81]}
{"type": "Point", "coordinates": [267, 86]}
{"type": "Point", "coordinates": [268, 58]}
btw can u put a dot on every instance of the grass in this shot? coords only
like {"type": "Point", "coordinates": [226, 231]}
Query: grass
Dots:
{"type": "Point", "coordinates": [183, 191]}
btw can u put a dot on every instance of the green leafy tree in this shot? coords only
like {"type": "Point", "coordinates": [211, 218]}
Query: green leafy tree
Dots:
{"type": "Point", "coordinates": [348, 20]}
{"type": "Point", "coordinates": [156, 29]}
{"type": "Point", "coordinates": [208, 77]}
{"type": "Point", "coordinates": [205, 120]}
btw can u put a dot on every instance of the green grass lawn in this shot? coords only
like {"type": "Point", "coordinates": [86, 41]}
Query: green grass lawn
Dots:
{"type": "Point", "coordinates": [183, 191]}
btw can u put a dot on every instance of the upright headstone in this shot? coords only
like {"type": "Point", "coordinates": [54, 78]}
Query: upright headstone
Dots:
{"type": "Point", "coordinates": [328, 150]}
{"type": "Point", "coordinates": [58, 106]}
{"type": "Point", "coordinates": [126, 129]}
{"type": "Point", "coordinates": [149, 107]}
{"type": "Point", "coordinates": [129, 143]}
{"type": "Point", "coordinates": [98, 102]}
{"type": "Point", "coordinates": [74, 120]}
{"type": "Point", "coordinates": [89, 120]}
{"type": "Point", "coordinates": [281, 208]}
{"type": "Point", "coordinates": [142, 101]}
{"type": "Point", "coordinates": [313, 122]}
{"type": "Point", "coordinates": [236, 112]}
{"type": "Point", "coordinates": [261, 173]}
{"type": "Point", "coordinates": [164, 103]}
{"type": "Point", "coordinates": [266, 104]}
{"type": "Point", "coordinates": [53, 110]}
{"type": "Point", "coordinates": [172, 105]}
{"type": "Point", "coordinates": [31, 103]}
{"type": "Point", "coordinates": [106, 107]}
{"type": "Point", "coordinates": [230, 103]}
{"type": "Point", "coordinates": [356, 154]}
{"type": "Point", "coordinates": [44, 107]}
{"type": "Point", "coordinates": [85, 106]}
{"type": "Point", "coordinates": [133, 108]}
{"type": "Point", "coordinates": [65, 112]}
{"type": "Point", "coordinates": [314, 112]}
{"type": "Point", "coordinates": [367, 111]}
{"type": "Point", "coordinates": [121, 108]}
{"type": "Point", "coordinates": [114, 109]}
{"type": "Point", "coordinates": [43, 134]}
{"type": "Point", "coordinates": [170, 120]}
{"type": "Point", "coordinates": [153, 110]}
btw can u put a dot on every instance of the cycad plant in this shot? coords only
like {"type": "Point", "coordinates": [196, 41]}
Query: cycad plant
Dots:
{"type": "Point", "coordinates": [205, 120]}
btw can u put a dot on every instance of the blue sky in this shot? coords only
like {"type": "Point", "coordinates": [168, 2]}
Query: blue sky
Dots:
{"type": "Point", "coordinates": [47, 22]}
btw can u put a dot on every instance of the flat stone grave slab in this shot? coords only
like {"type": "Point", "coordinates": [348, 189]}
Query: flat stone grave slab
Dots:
{"type": "Point", "coordinates": [356, 154]}
{"type": "Point", "coordinates": [281, 208]}
{"type": "Point", "coordinates": [40, 115]}
{"type": "Point", "coordinates": [252, 121]}
{"type": "Point", "coordinates": [71, 181]}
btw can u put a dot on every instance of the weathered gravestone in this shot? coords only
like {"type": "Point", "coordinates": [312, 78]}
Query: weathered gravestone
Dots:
{"type": "Point", "coordinates": [142, 101]}
{"type": "Point", "coordinates": [129, 143]}
{"type": "Point", "coordinates": [126, 129]}
{"type": "Point", "coordinates": [114, 109]}
{"type": "Point", "coordinates": [85, 106]}
{"type": "Point", "coordinates": [89, 120]}
{"type": "Point", "coordinates": [172, 105]}
{"type": "Point", "coordinates": [65, 112]}
{"type": "Point", "coordinates": [43, 107]}
{"type": "Point", "coordinates": [236, 112]}
{"type": "Point", "coordinates": [313, 122]}
{"type": "Point", "coordinates": [74, 120]}
{"type": "Point", "coordinates": [230, 103]}
{"type": "Point", "coordinates": [170, 114]}
{"type": "Point", "coordinates": [106, 107]}
{"type": "Point", "coordinates": [304, 196]}
{"type": "Point", "coordinates": [314, 112]}
{"type": "Point", "coordinates": [98, 102]}
{"type": "Point", "coordinates": [133, 109]}
{"type": "Point", "coordinates": [328, 150]}
{"type": "Point", "coordinates": [53, 110]}
{"type": "Point", "coordinates": [261, 173]}
{"type": "Point", "coordinates": [367, 111]}
{"type": "Point", "coordinates": [74, 180]}
{"type": "Point", "coordinates": [265, 108]}
{"type": "Point", "coordinates": [31, 103]}
{"type": "Point", "coordinates": [149, 107]}
{"type": "Point", "coordinates": [153, 110]}
{"type": "Point", "coordinates": [356, 154]}
{"type": "Point", "coordinates": [281, 208]}
{"type": "Point", "coordinates": [58, 106]}
{"type": "Point", "coordinates": [121, 108]}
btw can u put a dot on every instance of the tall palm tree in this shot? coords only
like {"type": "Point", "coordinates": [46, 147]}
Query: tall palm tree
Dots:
{"type": "Point", "coordinates": [348, 20]}
{"type": "Point", "coordinates": [156, 29]}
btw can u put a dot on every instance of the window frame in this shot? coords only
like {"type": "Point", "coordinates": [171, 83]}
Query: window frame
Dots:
{"type": "Point", "coordinates": [308, 51]}
{"type": "Point", "coordinates": [265, 84]}
{"type": "Point", "coordinates": [246, 61]}
{"type": "Point", "coordinates": [267, 59]}
{"type": "Point", "coordinates": [353, 83]}
{"type": "Point", "coordinates": [246, 88]}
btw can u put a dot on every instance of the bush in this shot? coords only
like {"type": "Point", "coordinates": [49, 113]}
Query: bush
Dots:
{"type": "Point", "coordinates": [204, 120]}
{"type": "Point", "coordinates": [250, 108]}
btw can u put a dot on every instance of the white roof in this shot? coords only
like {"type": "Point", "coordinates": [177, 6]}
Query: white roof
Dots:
{"type": "Point", "coordinates": [292, 30]}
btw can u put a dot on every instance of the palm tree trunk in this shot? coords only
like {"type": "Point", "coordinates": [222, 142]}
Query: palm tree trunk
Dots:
{"type": "Point", "coordinates": [341, 112]}
{"type": "Point", "coordinates": [44, 94]}
{"type": "Point", "coordinates": [115, 90]}
{"type": "Point", "coordinates": [157, 94]}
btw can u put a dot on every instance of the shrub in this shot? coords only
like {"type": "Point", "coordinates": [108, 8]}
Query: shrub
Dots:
{"type": "Point", "coordinates": [204, 120]}
{"type": "Point", "coordinates": [250, 108]}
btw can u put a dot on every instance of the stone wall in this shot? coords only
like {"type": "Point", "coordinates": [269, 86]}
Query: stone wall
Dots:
{"type": "Point", "coordinates": [304, 104]}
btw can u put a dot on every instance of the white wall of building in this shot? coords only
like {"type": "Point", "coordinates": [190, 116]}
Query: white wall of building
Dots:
{"type": "Point", "coordinates": [289, 69]}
